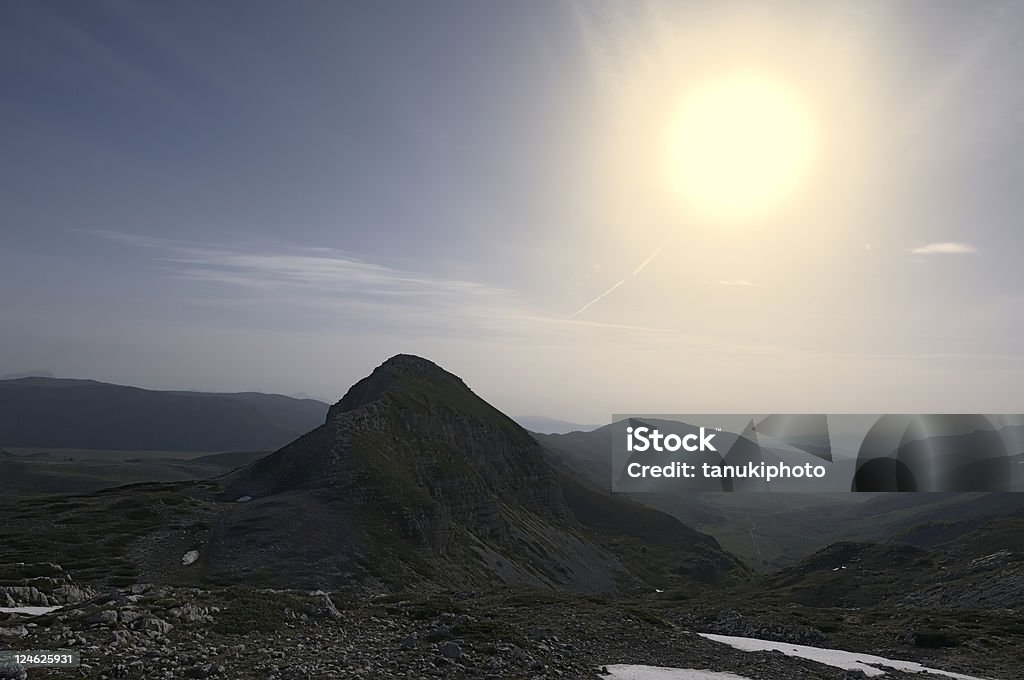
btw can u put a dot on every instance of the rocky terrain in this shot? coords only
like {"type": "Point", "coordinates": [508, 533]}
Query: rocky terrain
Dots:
{"type": "Point", "coordinates": [39, 585]}
{"type": "Point", "coordinates": [165, 632]}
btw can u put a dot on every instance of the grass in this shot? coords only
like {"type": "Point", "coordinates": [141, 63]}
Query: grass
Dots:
{"type": "Point", "coordinates": [97, 539]}
{"type": "Point", "coordinates": [249, 611]}
{"type": "Point", "coordinates": [102, 454]}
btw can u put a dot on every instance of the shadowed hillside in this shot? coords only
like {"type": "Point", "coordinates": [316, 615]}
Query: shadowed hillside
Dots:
{"type": "Point", "coordinates": [85, 414]}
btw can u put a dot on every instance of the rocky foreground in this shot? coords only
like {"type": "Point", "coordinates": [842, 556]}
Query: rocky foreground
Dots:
{"type": "Point", "coordinates": [146, 631]}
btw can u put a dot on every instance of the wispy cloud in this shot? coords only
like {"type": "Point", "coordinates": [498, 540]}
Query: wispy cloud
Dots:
{"type": "Point", "coordinates": [945, 248]}
{"type": "Point", "coordinates": [323, 278]}
{"type": "Point", "coordinates": [733, 282]}
{"type": "Point", "coordinates": [325, 269]}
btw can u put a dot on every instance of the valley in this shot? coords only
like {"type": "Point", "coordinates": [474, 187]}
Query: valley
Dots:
{"type": "Point", "coordinates": [419, 532]}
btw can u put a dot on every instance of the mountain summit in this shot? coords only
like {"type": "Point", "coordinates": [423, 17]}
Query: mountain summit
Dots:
{"type": "Point", "coordinates": [420, 430]}
{"type": "Point", "coordinates": [401, 374]}
{"type": "Point", "coordinates": [415, 478]}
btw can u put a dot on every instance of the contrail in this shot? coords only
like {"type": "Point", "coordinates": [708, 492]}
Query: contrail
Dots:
{"type": "Point", "coordinates": [597, 299]}
{"type": "Point", "coordinates": [650, 258]}
{"type": "Point", "coordinates": [643, 265]}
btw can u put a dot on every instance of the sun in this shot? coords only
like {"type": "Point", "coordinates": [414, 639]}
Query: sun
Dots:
{"type": "Point", "coordinates": [741, 146]}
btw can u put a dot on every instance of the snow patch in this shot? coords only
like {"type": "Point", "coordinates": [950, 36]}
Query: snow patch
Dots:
{"type": "Point", "coordinates": [243, 499]}
{"type": "Point", "coordinates": [851, 661]}
{"type": "Point", "coordinates": [32, 611]}
{"type": "Point", "coordinates": [628, 672]}
{"type": "Point", "coordinates": [190, 557]}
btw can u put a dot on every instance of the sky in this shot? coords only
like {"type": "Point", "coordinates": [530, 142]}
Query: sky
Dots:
{"type": "Point", "coordinates": [278, 196]}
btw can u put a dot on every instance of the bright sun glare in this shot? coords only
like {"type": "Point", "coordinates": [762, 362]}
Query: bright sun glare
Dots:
{"type": "Point", "coordinates": [741, 146]}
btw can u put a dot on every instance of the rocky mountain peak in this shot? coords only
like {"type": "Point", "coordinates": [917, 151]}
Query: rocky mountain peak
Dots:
{"type": "Point", "coordinates": [403, 375]}
{"type": "Point", "coordinates": [414, 477]}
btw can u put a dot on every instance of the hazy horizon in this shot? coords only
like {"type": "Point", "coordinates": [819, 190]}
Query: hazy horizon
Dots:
{"type": "Point", "coordinates": [277, 197]}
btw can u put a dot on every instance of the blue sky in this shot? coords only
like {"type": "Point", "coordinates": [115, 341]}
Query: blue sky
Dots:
{"type": "Point", "coordinates": [278, 196]}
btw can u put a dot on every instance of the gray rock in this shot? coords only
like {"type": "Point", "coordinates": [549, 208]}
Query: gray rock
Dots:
{"type": "Point", "coordinates": [23, 596]}
{"type": "Point", "coordinates": [323, 605]}
{"type": "Point", "coordinates": [129, 616]}
{"type": "Point", "coordinates": [190, 613]}
{"type": "Point", "coordinates": [155, 625]}
{"type": "Point", "coordinates": [71, 594]}
{"type": "Point", "coordinates": [439, 633]}
{"type": "Point", "coordinates": [107, 617]}
{"type": "Point", "coordinates": [451, 650]}
{"type": "Point", "coordinates": [12, 672]}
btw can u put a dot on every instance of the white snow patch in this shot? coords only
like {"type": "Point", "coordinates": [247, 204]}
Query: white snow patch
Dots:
{"type": "Point", "coordinates": [627, 672]}
{"type": "Point", "coordinates": [243, 499]}
{"type": "Point", "coordinates": [832, 657]}
{"type": "Point", "coordinates": [190, 557]}
{"type": "Point", "coordinates": [32, 611]}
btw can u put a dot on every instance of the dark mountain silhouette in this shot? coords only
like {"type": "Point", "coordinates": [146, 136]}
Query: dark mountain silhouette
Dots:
{"type": "Point", "coordinates": [415, 478]}
{"type": "Point", "coordinates": [546, 425]}
{"type": "Point", "coordinates": [34, 373]}
{"type": "Point", "coordinates": [85, 414]}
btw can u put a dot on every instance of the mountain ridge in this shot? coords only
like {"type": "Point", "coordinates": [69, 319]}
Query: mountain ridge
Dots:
{"type": "Point", "coordinates": [89, 414]}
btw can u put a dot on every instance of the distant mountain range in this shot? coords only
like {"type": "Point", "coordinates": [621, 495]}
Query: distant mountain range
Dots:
{"type": "Point", "coordinates": [774, 530]}
{"type": "Point", "coordinates": [413, 477]}
{"type": "Point", "coordinates": [86, 414]}
{"type": "Point", "coordinates": [34, 373]}
{"type": "Point", "coordinates": [545, 425]}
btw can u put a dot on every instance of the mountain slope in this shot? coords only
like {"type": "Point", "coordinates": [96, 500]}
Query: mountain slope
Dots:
{"type": "Point", "coordinates": [776, 529]}
{"type": "Point", "coordinates": [974, 565]}
{"type": "Point", "coordinates": [414, 478]}
{"type": "Point", "coordinates": [85, 414]}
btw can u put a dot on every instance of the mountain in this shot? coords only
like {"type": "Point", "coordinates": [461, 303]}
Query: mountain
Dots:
{"type": "Point", "coordinates": [413, 478]}
{"type": "Point", "coordinates": [973, 564]}
{"type": "Point", "coordinates": [34, 373]}
{"type": "Point", "coordinates": [85, 414]}
{"type": "Point", "coordinates": [774, 530]}
{"type": "Point", "coordinates": [545, 425]}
